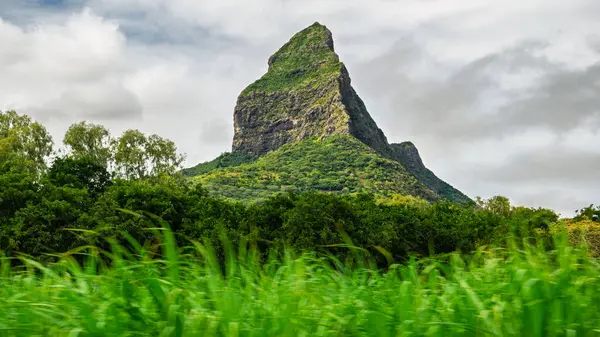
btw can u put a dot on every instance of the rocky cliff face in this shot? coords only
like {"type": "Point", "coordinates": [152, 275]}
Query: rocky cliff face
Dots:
{"type": "Point", "coordinates": [305, 93]}
{"type": "Point", "coordinates": [408, 155]}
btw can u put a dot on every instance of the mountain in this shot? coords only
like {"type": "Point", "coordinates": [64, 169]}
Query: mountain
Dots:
{"type": "Point", "coordinates": [302, 126]}
{"type": "Point", "coordinates": [305, 93]}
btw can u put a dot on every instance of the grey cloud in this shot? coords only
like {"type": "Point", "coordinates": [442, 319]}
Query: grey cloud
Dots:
{"type": "Point", "coordinates": [473, 101]}
{"type": "Point", "coordinates": [593, 42]}
{"type": "Point", "coordinates": [562, 200]}
{"type": "Point", "coordinates": [556, 164]}
{"type": "Point", "coordinates": [97, 102]}
{"type": "Point", "coordinates": [564, 193]}
{"type": "Point", "coordinates": [563, 101]}
{"type": "Point", "coordinates": [216, 131]}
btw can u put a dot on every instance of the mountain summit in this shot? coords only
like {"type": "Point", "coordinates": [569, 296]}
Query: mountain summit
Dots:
{"type": "Point", "coordinates": [302, 126]}
{"type": "Point", "coordinates": [305, 93]}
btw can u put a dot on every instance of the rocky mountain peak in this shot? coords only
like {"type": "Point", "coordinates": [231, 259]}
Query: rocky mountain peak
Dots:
{"type": "Point", "coordinates": [305, 93]}
{"type": "Point", "coordinates": [308, 48]}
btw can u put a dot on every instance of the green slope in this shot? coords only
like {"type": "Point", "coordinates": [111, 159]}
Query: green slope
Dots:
{"type": "Point", "coordinates": [228, 159]}
{"type": "Point", "coordinates": [338, 164]}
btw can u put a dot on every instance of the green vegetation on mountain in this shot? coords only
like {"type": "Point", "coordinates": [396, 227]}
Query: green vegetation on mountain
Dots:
{"type": "Point", "coordinates": [308, 58]}
{"type": "Point", "coordinates": [227, 159]}
{"type": "Point", "coordinates": [408, 155]}
{"type": "Point", "coordinates": [339, 164]}
{"type": "Point", "coordinates": [305, 93]}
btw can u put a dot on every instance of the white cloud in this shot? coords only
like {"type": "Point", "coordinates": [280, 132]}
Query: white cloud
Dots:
{"type": "Point", "coordinates": [71, 69]}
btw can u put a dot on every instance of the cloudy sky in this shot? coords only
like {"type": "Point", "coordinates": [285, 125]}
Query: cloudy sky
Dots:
{"type": "Point", "coordinates": [502, 97]}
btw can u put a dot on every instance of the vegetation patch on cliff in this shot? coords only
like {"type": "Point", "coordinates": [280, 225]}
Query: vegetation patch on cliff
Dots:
{"type": "Point", "coordinates": [306, 57]}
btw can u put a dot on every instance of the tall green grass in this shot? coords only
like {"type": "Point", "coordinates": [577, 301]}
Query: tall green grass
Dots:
{"type": "Point", "coordinates": [166, 291]}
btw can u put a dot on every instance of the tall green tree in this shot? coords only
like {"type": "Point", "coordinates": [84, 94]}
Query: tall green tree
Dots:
{"type": "Point", "coordinates": [138, 156]}
{"type": "Point", "coordinates": [498, 204]}
{"type": "Point", "coordinates": [25, 138]}
{"type": "Point", "coordinates": [91, 141]}
{"type": "Point", "coordinates": [163, 156]}
{"type": "Point", "coordinates": [81, 173]}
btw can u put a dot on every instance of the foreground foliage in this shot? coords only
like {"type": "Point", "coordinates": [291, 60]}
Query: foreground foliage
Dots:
{"type": "Point", "coordinates": [164, 291]}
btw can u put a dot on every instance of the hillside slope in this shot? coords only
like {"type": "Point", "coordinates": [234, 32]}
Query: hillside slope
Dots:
{"type": "Point", "coordinates": [340, 164]}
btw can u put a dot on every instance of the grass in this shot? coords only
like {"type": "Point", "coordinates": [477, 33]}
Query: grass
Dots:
{"type": "Point", "coordinates": [165, 291]}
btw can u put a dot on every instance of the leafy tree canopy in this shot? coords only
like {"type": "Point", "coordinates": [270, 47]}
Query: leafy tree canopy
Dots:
{"type": "Point", "coordinates": [23, 137]}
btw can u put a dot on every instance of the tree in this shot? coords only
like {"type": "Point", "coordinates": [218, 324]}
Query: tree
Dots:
{"type": "Point", "coordinates": [587, 213]}
{"type": "Point", "coordinates": [18, 186]}
{"type": "Point", "coordinates": [21, 136]}
{"type": "Point", "coordinates": [400, 200]}
{"type": "Point", "coordinates": [90, 141]}
{"type": "Point", "coordinates": [163, 156]}
{"type": "Point", "coordinates": [138, 156]}
{"type": "Point", "coordinates": [81, 173]}
{"type": "Point", "coordinates": [42, 227]}
{"type": "Point", "coordinates": [175, 201]}
{"type": "Point", "coordinates": [497, 204]}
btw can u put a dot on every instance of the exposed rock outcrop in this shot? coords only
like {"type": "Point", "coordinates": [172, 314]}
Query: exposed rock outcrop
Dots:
{"type": "Point", "coordinates": [408, 155]}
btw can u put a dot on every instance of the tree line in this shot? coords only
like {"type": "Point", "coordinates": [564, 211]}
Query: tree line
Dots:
{"type": "Point", "coordinates": [100, 188]}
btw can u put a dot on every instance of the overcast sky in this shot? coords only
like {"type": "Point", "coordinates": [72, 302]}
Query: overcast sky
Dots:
{"type": "Point", "coordinates": [501, 97]}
